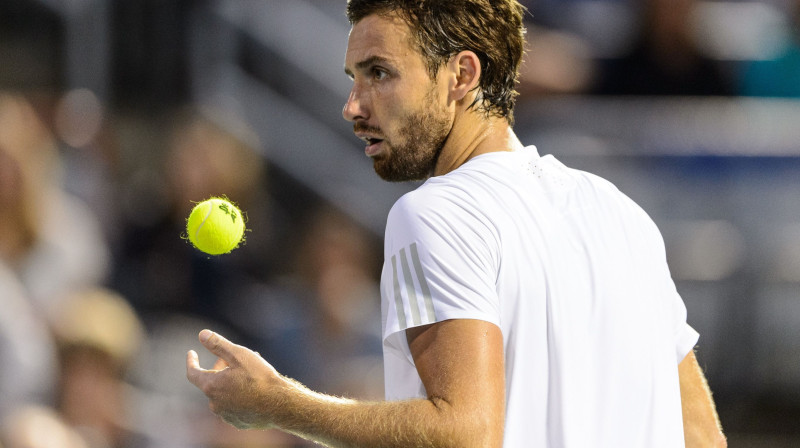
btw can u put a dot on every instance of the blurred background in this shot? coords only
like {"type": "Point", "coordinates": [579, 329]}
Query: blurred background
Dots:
{"type": "Point", "coordinates": [116, 115]}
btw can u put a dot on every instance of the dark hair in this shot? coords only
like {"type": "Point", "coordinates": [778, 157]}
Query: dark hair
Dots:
{"type": "Point", "coordinates": [492, 29]}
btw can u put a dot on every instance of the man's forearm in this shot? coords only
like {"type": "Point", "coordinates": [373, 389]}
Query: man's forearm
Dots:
{"type": "Point", "coordinates": [701, 423]}
{"type": "Point", "coordinates": [467, 411]}
{"type": "Point", "coordinates": [338, 422]}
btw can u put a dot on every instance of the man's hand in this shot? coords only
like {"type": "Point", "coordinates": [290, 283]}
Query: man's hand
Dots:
{"type": "Point", "coordinates": [242, 387]}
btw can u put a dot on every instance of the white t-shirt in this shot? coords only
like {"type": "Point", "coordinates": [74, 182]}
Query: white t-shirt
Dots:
{"type": "Point", "coordinates": [571, 270]}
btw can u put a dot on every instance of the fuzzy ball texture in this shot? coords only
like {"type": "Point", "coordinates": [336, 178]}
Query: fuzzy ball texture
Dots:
{"type": "Point", "coordinates": [215, 226]}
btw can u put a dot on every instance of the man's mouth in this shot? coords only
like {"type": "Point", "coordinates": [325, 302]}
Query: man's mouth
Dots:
{"type": "Point", "coordinates": [373, 146]}
{"type": "Point", "coordinates": [371, 136]}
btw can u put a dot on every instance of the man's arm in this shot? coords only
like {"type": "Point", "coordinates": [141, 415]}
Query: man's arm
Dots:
{"type": "Point", "coordinates": [460, 363]}
{"type": "Point", "coordinates": [701, 425]}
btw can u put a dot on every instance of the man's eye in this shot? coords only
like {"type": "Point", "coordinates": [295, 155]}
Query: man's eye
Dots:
{"type": "Point", "coordinates": [379, 73]}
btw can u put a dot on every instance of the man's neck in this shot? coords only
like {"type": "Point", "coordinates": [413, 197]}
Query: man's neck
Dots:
{"type": "Point", "coordinates": [474, 134]}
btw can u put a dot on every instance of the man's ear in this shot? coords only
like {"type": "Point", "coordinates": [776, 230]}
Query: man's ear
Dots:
{"type": "Point", "coordinates": [465, 70]}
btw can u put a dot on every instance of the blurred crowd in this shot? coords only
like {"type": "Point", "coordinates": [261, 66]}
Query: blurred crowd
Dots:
{"type": "Point", "coordinates": [665, 47]}
{"type": "Point", "coordinates": [101, 296]}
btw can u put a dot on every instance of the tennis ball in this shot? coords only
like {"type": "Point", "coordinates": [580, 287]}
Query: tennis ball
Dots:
{"type": "Point", "coordinates": [215, 226]}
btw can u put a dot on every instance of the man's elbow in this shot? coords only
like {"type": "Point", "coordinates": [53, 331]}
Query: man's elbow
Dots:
{"type": "Point", "coordinates": [484, 434]}
{"type": "Point", "coordinates": [478, 428]}
{"type": "Point", "coordinates": [481, 436]}
{"type": "Point", "coordinates": [486, 431]}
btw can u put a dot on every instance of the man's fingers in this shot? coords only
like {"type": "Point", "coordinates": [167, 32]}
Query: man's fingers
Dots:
{"type": "Point", "coordinates": [218, 345]}
{"type": "Point", "coordinates": [193, 369]}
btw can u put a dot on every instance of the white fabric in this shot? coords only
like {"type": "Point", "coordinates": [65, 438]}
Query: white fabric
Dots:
{"type": "Point", "coordinates": [574, 274]}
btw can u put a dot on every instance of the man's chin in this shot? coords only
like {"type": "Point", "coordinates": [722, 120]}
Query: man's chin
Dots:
{"type": "Point", "coordinates": [386, 171]}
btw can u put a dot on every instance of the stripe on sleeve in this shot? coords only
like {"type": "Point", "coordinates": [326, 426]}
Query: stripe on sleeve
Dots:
{"type": "Point", "coordinates": [423, 284]}
{"type": "Point", "coordinates": [410, 290]}
{"type": "Point", "coordinates": [398, 298]}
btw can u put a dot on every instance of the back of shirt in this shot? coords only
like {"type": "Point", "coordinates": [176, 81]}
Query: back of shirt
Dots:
{"type": "Point", "coordinates": [574, 274]}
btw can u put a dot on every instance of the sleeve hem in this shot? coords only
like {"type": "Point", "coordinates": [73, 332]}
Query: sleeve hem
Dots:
{"type": "Point", "coordinates": [686, 339]}
{"type": "Point", "coordinates": [395, 340]}
{"type": "Point", "coordinates": [444, 317]}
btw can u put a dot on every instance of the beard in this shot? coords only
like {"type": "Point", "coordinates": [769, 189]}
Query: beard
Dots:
{"type": "Point", "coordinates": [414, 158]}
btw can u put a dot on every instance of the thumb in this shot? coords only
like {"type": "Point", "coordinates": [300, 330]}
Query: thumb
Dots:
{"type": "Point", "coordinates": [218, 345]}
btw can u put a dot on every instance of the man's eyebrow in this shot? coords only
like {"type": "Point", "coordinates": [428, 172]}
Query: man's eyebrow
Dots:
{"type": "Point", "coordinates": [366, 63]}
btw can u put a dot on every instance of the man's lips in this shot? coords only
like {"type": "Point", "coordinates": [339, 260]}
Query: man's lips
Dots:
{"type": "Point", "coordinates": [373, 147]}
{"type": "Point", "coordinates": [372, 139]}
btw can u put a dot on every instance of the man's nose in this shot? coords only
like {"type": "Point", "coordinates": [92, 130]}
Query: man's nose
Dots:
{"type": "Point", "coordinates": [354, 109]}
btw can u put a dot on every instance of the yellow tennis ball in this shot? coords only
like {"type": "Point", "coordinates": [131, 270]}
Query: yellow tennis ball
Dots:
{"type": "Point", "coordinates": [215, 226]}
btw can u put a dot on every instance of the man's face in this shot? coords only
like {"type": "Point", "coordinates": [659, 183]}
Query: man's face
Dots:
{"type": "Point", "coordinates": [394, 105]}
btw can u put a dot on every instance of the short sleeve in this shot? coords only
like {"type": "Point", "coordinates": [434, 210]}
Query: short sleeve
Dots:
{"type": "Point", "coordinates": [685, 336]}
{"type": "Point", "coordinates": [686, 339]}
{"type": "Point", "coordinates": [440, 263]}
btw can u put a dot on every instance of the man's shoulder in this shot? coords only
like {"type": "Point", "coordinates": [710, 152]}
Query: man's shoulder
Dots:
{"type": "Point", "coordinates": [439, 195]}
{"type": "Point", "coordinates": [424, 200]}
{"type": "Point", "coordinates": [437, 206]}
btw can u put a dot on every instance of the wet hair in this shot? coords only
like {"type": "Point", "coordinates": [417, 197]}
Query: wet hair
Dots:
{"type": "Point", "coordinates": [492, 29]}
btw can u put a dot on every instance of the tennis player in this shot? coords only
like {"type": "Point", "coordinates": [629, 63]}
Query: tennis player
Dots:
{"type": "Point", "coordinates": [525, 304]}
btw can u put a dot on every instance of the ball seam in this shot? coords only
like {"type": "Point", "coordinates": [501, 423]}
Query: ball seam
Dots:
{"type": "Point", "coordinates": [197, 231]}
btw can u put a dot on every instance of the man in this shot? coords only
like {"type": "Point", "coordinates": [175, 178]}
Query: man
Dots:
{"type": "Point", "coordinates": [524, 303]}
